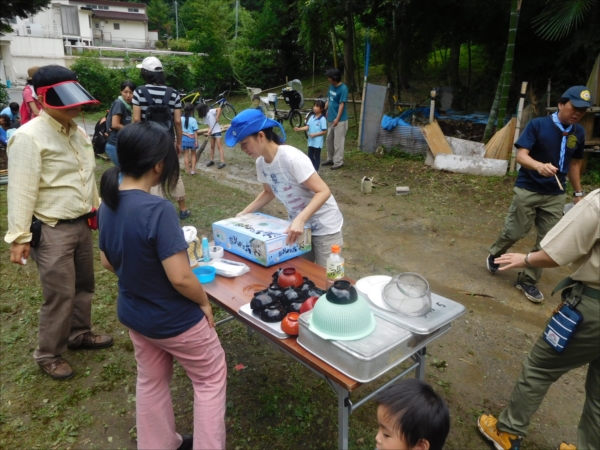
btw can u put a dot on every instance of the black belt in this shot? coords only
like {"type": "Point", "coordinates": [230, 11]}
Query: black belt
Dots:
{"type": "Point", "coordinates": [77, 219]}
{"type": "Point", "coordinates": [586, 290]}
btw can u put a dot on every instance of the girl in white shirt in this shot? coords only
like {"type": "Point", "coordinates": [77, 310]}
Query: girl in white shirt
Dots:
{"type": "Point", "coordinates": [288, 174]}
{"type": "Point", "coordinates": [211, 118]}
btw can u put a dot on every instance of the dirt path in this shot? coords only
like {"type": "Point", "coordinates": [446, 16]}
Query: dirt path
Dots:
{"type": "Point", "coordinates": [441, 231]}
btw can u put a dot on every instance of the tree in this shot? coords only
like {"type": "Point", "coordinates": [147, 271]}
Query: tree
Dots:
{"type": "Point", "coordinates": [19, 8]}
{"type": "Point", "coordinates": [159, 17]}
{"type": "Point", "coordinates": [499, 106]}
{"type": "Point", "coordinates": [560, 17]}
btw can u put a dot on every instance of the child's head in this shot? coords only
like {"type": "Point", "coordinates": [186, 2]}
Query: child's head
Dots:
{"type": "Point", "coordinates": [256, 101]}
{"type": "Point", "coordinates": [253, 131]}
{"type": "Point", "coordinates": [319, 106]}
{"type": "Point", "coordinates": [14, 108]}
{"type": "Point", "coordinates": [188, 110]}
{"type": "Point", "coordinates": [334, 75]}
{"type": "Point", "coordinates": [4, 121]}
{"type": "Point", "coordinates": [411, 416]}
{"type": "Point", "coordinates": [142, 148]}
{"type": "Point", "coordinates": [202, 109]}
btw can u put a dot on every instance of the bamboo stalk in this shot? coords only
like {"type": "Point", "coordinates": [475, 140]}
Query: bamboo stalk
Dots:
{"type": "Point", "coordinates": [518, 125]}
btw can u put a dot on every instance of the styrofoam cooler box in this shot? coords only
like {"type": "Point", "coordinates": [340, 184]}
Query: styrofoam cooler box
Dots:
{"type": "Point", "coordinates": [259, 238]}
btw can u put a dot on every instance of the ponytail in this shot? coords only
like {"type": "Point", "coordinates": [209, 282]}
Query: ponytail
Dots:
{"type": "Point", "coordinates": [109, 187]}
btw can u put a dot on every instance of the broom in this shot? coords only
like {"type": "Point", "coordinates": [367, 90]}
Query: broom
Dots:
{"type": "Point", "coordinates": [499, 146]}
{"type": "Point", "coordinates": [203, 146]}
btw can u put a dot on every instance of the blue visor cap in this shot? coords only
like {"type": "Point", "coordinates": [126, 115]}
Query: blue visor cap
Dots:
{"type": "Point", "coordinates": [247, 123]}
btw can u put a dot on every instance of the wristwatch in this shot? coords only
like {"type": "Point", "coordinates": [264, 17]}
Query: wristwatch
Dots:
{"type": "Point", "coordinates": [579, 194]}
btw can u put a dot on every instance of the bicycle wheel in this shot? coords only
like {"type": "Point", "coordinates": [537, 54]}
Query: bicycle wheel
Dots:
{"type": "Point", "coordinates": [228, 111]}
{"type": "Point", "coordinates": [295, 119]}
{"type": "Point", "coordinates": [308, 116]}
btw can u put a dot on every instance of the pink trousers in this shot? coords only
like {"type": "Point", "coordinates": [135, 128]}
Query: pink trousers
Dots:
{"type": "Point", "coordinates": [200, 353]}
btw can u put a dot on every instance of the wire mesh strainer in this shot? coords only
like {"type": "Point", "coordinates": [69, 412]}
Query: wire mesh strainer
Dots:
{"type": "Point", "coordinates": [408, 294]}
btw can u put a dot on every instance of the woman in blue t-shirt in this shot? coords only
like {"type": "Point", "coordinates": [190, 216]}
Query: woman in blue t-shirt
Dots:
{"type": "Point", "coordinates": [118, 117]}
{"type": "Point", "coordinates": [160, 300]}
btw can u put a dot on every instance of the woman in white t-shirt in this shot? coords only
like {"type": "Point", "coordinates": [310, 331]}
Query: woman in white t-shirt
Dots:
{"type": "Point", "coordinates": [288, 174]}
{"type": "Point", "coordinates": [211, 118]}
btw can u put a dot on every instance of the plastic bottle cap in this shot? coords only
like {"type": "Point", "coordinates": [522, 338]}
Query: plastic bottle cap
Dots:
{"type": "Point", "coordinates": [335, 248]}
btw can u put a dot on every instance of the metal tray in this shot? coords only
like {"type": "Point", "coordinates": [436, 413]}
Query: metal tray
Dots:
{"type": "Point", "coordinates": [270, 327]}
{"type": "Point", "coordinates": [443, 310]}
{"type": "Point", "coordinates": [366, 359]}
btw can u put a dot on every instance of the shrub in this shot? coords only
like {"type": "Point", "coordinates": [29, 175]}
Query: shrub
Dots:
{"type": "Point", "coordinates": [178, 72]}
{"type": "Point", "coordinates": [213, 72]}
{"type": "Point", "coordinates": [102, 82]}
{"type": "Point", "coordinates": [4, 97]}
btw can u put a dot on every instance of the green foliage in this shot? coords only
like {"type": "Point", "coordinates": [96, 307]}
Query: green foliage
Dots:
{"type": "Point", "coordinates": [560, 18]}
{"type": "Point", "coordinates": [179, 45]}
{"type": "Point", "coordinates": [178, 72]}
{"type": "Point", "coordinates": [160, 17]}
{"type": "Point", "coordinates": [103, 82]}
{"type": "Point", "coordinates": [98, 79]}
{"type": "Point", "coordinates": [21, 8]}
{"type": "Point", "coordinates": [4, 97]}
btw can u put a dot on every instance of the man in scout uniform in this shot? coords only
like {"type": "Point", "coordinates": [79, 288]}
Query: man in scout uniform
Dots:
{"type": "Point", "coordinates": [575, 240]}
{"type": "Point", "coordinates": [549, 150]}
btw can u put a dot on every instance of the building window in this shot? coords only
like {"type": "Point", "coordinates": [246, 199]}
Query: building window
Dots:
{"type": "Point", "coordinates": [97, 25]}
{"type": "Point", "coordinates": [70, 20]}
{"type": "Point", "coordinates": [117, 26]}
{"type": "Point", "coordinates": [102, 7]}
{"type": "Point", "coordinates": [133, 9]}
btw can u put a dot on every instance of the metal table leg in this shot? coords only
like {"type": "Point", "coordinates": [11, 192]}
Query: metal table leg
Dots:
{"type": "Point", "coordinates": [420, 358]}
{"type": "Point", "coordinates": [344, 408]}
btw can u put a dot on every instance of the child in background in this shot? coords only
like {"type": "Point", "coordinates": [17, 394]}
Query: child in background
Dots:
{"type": "Point", "coordinates": [411, 416]}
{"type": "Point", "coordinates": [211, 118]}
{"type": "Point", "coordinates": [189, 139]}
{"type": "Point", "coordinates": [317, 128]}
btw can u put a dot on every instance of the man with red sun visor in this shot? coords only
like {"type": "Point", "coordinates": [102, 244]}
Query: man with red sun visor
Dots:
{"type": "Point", "coordinates": [51, 166]}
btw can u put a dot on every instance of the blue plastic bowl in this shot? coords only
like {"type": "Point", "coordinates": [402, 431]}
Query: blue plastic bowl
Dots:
{"type": "Point", "coordinates": [205, 273]}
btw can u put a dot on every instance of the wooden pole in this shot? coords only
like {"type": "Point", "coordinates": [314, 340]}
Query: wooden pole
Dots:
{"type": "Point", "coordinates": [513, 156]}
{"type": "Point", "coordinates": [432, 107]}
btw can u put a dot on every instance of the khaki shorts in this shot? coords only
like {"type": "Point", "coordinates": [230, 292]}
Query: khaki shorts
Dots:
{"type": "Point", "coordinates": [178, 193]}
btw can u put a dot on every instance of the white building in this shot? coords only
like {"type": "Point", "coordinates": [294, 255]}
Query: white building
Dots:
{"type": "Point", "coordinates": [41, 39]}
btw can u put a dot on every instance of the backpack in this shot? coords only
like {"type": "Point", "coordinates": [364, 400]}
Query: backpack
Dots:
{"type": "Point", "coordinates": [159, 113]}
{"type": "Point", "coordinates": [101, 131]}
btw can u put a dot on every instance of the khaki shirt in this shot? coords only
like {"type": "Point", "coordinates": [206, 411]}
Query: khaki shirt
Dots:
{"type": "Point", "coordinates": [575, 240]}
{"type": "Point", "coordinates": [51, 176]}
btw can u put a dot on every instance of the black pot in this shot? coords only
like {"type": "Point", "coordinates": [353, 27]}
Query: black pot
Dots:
{"type": "Point", "coordinates": [315, 292]}
{"type": "Point", "coordinates": [274, 289]}
{"type": "Point", "coordinates": [262, 300]}
{"type": "Point", "coordinates": [276, 274]}
{"type": "Point", "coordinates": [290, 295]}
{"type": "Point", "coordinates": [273, 314]}
{"type": "Point", "coordinates": [293, 307]}
{"type": "Point", "coordinates": [342, 293]}
{"type": "Point", "coordinates": [307, 286]}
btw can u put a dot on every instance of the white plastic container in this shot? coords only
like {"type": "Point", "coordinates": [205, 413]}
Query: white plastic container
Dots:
{"type": "Point", "coordinates": [272, 97]}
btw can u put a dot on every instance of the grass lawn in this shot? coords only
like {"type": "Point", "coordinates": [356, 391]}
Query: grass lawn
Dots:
{"type": "Point", "coordinates": [273, 403]}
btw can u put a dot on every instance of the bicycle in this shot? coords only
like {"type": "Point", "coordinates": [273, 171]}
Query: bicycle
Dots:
{"type": "Point", "coordinates": [294, 99]}
{"type": "Point", "coordinates": [195, 98]}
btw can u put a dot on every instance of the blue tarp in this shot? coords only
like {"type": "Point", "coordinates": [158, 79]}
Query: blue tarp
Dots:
{"type": "Point", "coordinates": [389, 123]}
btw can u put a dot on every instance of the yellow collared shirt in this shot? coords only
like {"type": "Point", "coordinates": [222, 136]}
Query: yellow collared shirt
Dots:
{"type": "Point", "coordinates": [51, 176]}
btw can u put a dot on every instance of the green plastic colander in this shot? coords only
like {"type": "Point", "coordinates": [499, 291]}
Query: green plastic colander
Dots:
{"type": "Point", "coordinates": [341, 314]}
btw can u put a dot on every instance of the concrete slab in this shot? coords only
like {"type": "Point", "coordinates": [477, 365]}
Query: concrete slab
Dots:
{"type": "Point", "coordinates": [471, 165]}
{"type": "Point", "coordinates": [463, 147]}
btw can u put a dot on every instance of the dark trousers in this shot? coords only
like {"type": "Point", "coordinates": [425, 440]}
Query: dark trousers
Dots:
{"type": "Point", "coordinates": [65, 260]}
{"type": "Point", "coordinates": [314, 154]}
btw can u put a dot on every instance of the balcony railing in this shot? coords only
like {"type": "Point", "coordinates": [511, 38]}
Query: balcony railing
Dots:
{"type": "Point", "coordinates": [39, 30]}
